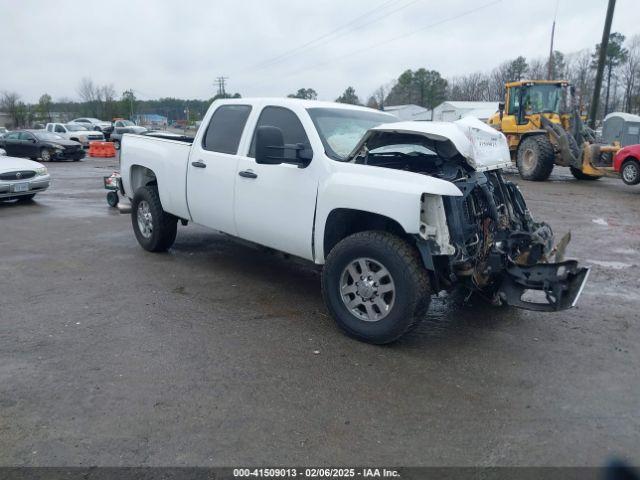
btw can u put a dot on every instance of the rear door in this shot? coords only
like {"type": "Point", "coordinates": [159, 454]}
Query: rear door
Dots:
{"type": "Point", "coordinates": [211, 172]}
{"type": "Point", "coordinates": [12, 144]}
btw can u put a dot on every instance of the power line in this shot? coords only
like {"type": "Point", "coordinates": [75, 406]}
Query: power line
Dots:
{"type": "Point", "coordinates": [335, 33]}
{"type": "Point", "coordinates": [396, 38]}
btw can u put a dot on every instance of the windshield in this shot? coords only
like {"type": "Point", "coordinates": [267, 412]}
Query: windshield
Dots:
{"type": "Point", "coordinates": [341, 129]}
{"type": "Point", "coordinates": [542, 99]}
{"type": "Point", "coordinates": [75, 128]}
{"type": "Point", "coordinates": [125, 123]}
{"type": "Point", "coordinates": [47, 136]}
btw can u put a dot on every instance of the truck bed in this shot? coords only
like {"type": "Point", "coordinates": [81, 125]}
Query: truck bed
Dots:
{"type": "Point", "coordinates": [168, 157]}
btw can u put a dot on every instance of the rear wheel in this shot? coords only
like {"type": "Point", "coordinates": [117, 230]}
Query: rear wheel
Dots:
{"type": "Point", "coordinates": [154, 228]}
{"type": "Point", "coordinates": [535, 158]}
{"type": "Point", "coordinates": [375, 286]}
{"type": "Point", "coordinates": [630, 172]}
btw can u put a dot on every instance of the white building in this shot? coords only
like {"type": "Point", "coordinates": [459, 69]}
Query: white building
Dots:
{"type": "Point", "coordinates": [453, 110]}
{"type": "Point", "coordinates": [408, 112]}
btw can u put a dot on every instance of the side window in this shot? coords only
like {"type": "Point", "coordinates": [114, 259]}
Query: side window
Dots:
{"type": "Point", "coordinates": [285, 120]}
{"type": "Point", "coordinates": [60, 129]}
{"type": "Point", "coordinates": [26, 136]}
{"type": "Point", "coordinates": [49, 128]}
{"type": "Point", "coordinates": [514, 100]}
{"type": "Point", "coordinates": [225, 129]}
{"type": "Point", "coordinates": [13, 136]}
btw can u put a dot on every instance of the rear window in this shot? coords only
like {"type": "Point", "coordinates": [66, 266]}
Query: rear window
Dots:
{"type": "Point", "coordinates": [225, 129]}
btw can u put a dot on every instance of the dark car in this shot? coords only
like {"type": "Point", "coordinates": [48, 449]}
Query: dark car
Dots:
{"type": "Point", "coordinates": [41, 144]}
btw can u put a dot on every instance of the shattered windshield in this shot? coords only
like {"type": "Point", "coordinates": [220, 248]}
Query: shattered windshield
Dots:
{"type": "Point", "coordinates": [341, 129]}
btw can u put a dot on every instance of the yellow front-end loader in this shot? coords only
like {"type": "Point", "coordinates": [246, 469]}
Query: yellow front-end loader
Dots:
{"type": "Point", "coordinates": [544, 128]}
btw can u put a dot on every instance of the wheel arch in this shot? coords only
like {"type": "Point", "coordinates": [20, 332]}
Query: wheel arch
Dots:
{"type": "Point", "coordinates": [343, 222]}
{"type": "Point", "coordinates": [141, 176]}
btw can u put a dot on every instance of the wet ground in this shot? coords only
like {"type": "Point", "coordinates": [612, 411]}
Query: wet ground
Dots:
{"type": "Point", "coordinates": [219, 354]}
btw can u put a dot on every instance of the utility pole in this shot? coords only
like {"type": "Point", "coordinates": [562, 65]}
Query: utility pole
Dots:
{"type": "Point", "coordinates": [221, 84]}
{"type": "Point", "coordinates": [604, 44]}
{"type": "Point", "coordinates": [553, 33]}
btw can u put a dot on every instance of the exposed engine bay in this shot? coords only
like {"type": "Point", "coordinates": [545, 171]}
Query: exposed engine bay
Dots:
{"type": "Point", "coordinates": [485, 239]}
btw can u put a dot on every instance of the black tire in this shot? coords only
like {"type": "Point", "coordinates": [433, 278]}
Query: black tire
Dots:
{"type": "Point", "coordinates": [26, 198]}
{"type": "Point", "coordinates": [45, 155]}
{"type": "Point", "coordinates": [163, 225]}
{"type": "Point", "coordinates": [578, 175]}
{"type": "Point", "coordinates": [411, 296]}
{"type": "Point", "coordinates": [630, 171]}
{"type": "Point", "coordinates": [112, 199]}
{"type": "Point", "coordinates": [535, 158]}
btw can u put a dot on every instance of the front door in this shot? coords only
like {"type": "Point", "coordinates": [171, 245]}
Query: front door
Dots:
{"type": "Point", "coordinates": [275, 204]}
{"type": "Point", "coordinates": [212, 169]}
{"type": "Point", "coordinates": [28, 145]}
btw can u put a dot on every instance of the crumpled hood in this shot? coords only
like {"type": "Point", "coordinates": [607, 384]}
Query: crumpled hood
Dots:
{"type": "Point", "coordinates": [483, 147]}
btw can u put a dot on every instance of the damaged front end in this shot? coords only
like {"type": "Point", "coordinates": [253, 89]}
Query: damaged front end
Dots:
{"type": "Point", "coordinates": [502, 252]}
{"type": "Point", "coordinates": [485, 239]}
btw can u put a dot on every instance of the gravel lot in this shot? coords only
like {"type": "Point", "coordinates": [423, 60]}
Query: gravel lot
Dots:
{"type": "Point", "coordinates": [220, 354]}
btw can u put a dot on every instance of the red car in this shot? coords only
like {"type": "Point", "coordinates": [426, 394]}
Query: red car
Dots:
{"type": "Point", "coordinates": [627, 163]}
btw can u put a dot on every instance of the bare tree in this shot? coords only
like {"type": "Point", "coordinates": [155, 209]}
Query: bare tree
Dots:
{"type": "Point", "coordinates": [631, 73]}
{"type": "Point", "coordinates": [537, 69]}
{"type": "Point", "coordinates": [472, 87]}
{"type": "Point", "coordinates": [580, 74]}
{"type": "Point", "coordinates": [10, 103]}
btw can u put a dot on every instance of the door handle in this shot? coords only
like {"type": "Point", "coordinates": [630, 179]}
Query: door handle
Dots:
{"type": "Point", "coordinates": [248, 174]}
{"type": "Point", "coordinates": [199, 164]}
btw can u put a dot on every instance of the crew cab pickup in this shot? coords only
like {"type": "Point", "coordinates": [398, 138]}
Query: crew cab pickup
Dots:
{"type": "Point", "coordinates": [75, 132]}
{"type": "Point", "coordinates": [394, 211]}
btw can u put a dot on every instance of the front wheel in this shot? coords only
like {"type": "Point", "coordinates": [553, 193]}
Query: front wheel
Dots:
{"type": "Point", "coordinates": [535, 158]}
{"type": "Point", "coordinates": [579, 175]}
{"type": "Point", "coordinates": [154, 228]}
{"type": "Point", "coordinates": [45, 155]}
{"type": "Point", "coordinates": [630, 172]}
{"type": "Point", "coordinates": [375, 286]}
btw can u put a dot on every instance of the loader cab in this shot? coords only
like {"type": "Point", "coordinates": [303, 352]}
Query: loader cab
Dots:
{"type": "Point", "coordinates": [524, 103]}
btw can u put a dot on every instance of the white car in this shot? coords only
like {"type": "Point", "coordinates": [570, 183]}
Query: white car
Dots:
{"type": "Point", "coordinates": [75, 132]}
{"type": "Point", "coordinates": [21, 178]}
{"type": "Point", "coordinates": [95, 124]}
{"type": "Point", "coordinates": [395, 211]}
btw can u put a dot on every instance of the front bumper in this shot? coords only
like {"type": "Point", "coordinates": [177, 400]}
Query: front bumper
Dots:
{"type": "Point", "coordinates": [66, 155]}
{"type": "Point", "coordinates": [562, 284]}
{"type": "Point", "coordinates": [35, 185]}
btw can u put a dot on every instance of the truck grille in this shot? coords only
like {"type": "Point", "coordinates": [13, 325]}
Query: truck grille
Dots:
{"type": "Point", "coordinates": [19, 175]}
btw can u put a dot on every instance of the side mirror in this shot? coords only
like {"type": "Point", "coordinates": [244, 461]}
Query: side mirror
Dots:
{"type": "Point", "coordinates": [270, 148]}
{"type": "Point", "coordinates": [501, 109]}
{"type": "Point", "coordinates": [269, 145]}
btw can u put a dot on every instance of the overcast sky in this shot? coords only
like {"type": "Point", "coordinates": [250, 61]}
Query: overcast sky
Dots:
{"type": "Point", "coordinates": [273, 47]}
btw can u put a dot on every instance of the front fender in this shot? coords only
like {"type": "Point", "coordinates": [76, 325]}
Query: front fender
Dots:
{"type": "Point", "coordinates": [392, 193]}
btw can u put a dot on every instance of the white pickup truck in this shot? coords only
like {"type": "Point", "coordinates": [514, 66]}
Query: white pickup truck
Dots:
{"type": "Point", "coordinates": [394, 211]}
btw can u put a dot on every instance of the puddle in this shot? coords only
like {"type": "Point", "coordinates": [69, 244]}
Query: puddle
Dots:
{"type": "Point", "coordinates": [613, 265]}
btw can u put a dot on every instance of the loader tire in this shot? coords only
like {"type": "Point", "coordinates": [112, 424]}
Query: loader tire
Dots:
{"type": "Point", "coordinates": [375, 286]}
{"type": "Point", "coordinates": [535, 158]}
